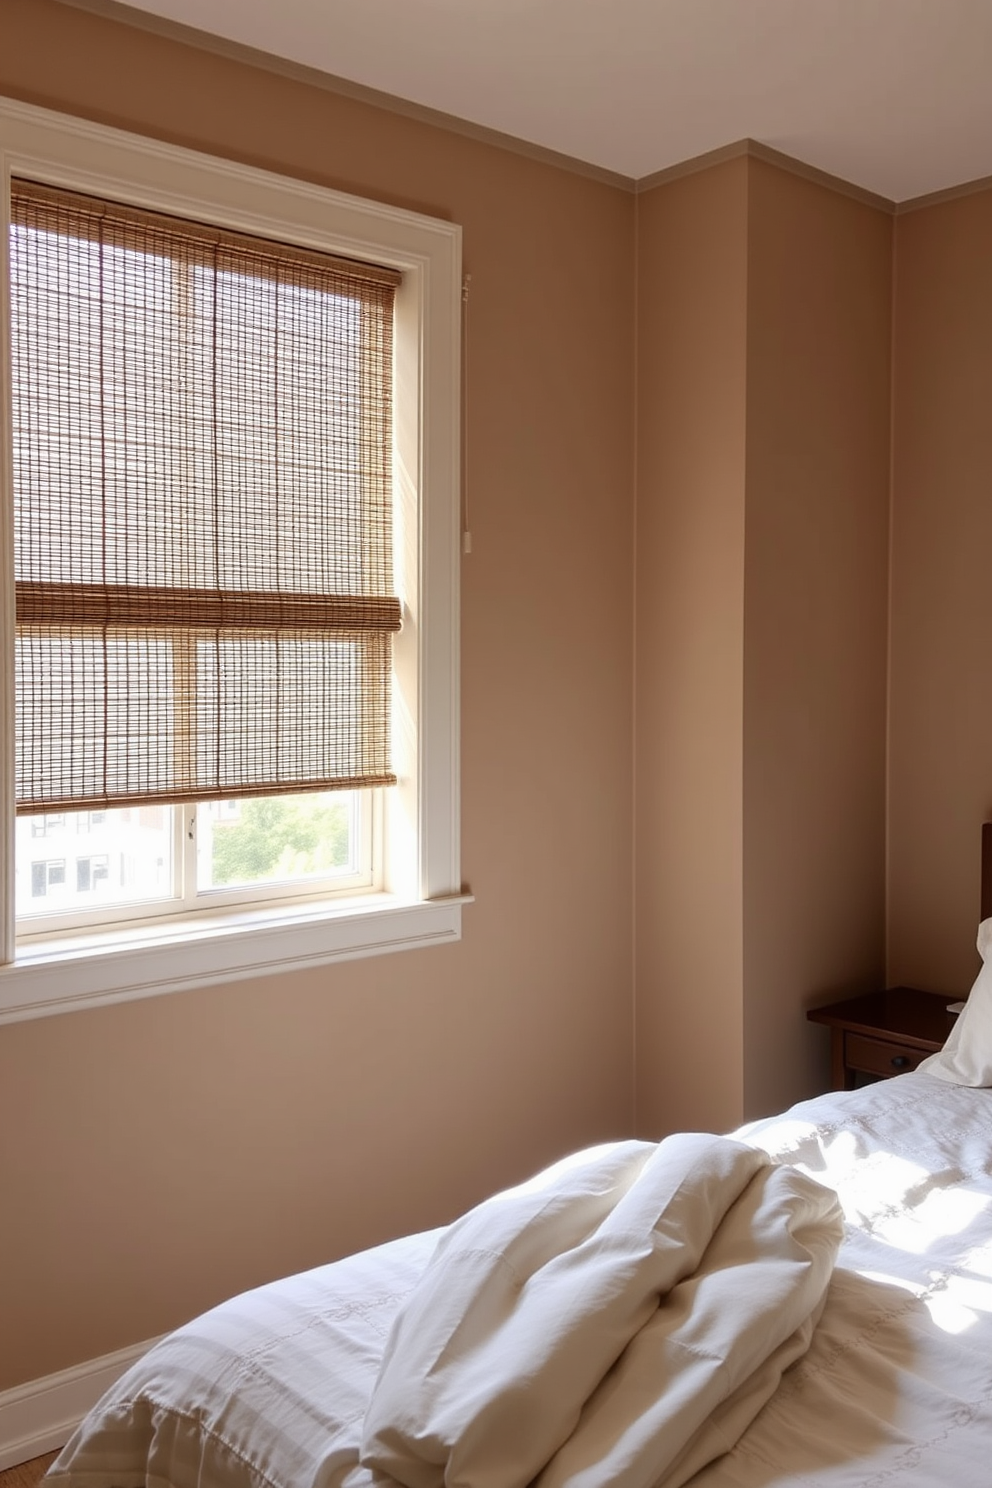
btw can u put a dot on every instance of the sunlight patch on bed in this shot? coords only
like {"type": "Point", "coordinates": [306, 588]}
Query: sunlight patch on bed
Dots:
{"type": "Point", "coordinates": [957, 1307]}
{"type": "Point", "coordinates": [938, 1213]}
{"type": "Point", "coordinates": [979, 1261]}
{"type": "Point", "coordinates": [949, 1315]}
{"type": "Point", "coordinates": [879, 1192]}
{"type": "Point", "coordinates": [804, 1145]}
{"type": "Point", "coordinates": [885, 1278]}
{"type": "Point", "coordinates": [777, 1137]}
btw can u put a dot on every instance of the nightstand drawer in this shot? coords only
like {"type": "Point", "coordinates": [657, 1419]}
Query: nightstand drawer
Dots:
{"type": "Point", "coordinates": [878, 1057]}
{"type": "Point", "coordinates": [883, 1033]}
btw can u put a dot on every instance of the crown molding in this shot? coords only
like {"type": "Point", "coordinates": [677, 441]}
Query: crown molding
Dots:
{"type": "Point", "coordinates": [313, 77]}
{"type": "Point", "coordinates": [755, 150]}
{"type": "Point", "coordinates": [692, 167]}
{"type": "Point", "coordinates": [758, 151]}
{"type": "Point", "coordinates": [234, 51]}
{"type": "Point", "coordinates": [949, 193]}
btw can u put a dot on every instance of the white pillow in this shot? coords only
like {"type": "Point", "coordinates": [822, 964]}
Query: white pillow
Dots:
{"type": "Point", "coordinates": [966, 1058]}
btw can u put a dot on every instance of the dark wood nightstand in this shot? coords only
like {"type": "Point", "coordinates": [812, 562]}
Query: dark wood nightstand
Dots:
{"type": "Point", "coordinates": [883, 1033]}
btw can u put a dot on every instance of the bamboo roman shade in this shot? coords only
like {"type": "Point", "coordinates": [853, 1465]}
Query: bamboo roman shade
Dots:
{"type": "Point", "coordinates": [202, 449]}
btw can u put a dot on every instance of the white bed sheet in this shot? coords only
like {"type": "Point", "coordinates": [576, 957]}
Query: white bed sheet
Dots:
{"type": "Point", "coordinates": [270, 1389]}
{"type": "Point", "coordinates": [896, 1388]}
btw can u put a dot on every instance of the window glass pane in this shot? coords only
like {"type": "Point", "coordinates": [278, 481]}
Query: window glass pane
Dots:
{"type": "Point", "coordinates": [277, 839]}
{"type": "Point", "coordinates": [94, 858]}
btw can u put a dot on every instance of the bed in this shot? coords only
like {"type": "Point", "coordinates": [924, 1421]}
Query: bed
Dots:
{"type": "Point", "coordinates": [883, 1376]}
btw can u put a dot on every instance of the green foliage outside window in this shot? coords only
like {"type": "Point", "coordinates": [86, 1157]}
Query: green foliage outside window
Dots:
{"type": "Point", "coordinates": [278, 837]}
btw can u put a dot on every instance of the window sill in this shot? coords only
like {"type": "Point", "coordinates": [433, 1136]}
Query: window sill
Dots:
{"type": "Point", "coordinates": [59, 975]}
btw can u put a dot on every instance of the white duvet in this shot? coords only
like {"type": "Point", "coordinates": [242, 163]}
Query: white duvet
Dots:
{"type": "Point", "coordinates": [278, 1387]}
{"type": "Point", "coordinates": [609, 1322]}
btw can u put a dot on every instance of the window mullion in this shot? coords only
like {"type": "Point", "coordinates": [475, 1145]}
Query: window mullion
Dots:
{"type": "Point", "coordinates": [185, 862]}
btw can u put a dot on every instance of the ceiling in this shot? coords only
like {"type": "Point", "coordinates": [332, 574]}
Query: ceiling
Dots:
{"type": "Point", "coordinates": [894, 96]}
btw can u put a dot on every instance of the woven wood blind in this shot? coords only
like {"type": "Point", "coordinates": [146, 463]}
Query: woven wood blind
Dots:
{"type": "Point", "coordinates": [202, 484]}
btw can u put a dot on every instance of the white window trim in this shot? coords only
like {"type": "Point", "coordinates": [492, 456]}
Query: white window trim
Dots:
{"type": "Point", "coordinates": [422, 899]}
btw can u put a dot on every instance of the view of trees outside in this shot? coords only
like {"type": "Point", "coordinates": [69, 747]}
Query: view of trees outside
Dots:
{"type": "Point", "coordinates": [275, 839]}
{"type": "Point", "coordinates": [72, 861]}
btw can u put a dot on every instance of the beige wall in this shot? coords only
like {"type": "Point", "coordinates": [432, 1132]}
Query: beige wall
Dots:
{"type": "Point", "coordinates": [734, 338]}
{"type": "Point", "coordinates": [691, 411]}
{"type": "Point", "coordinates": [762, 529]}
{"type": "Point", "coordinates": [940, 752]}
{"type": "Point", "coordinates": [157, 1156]}
{"type": "Point", "coordinates": [819, 296]}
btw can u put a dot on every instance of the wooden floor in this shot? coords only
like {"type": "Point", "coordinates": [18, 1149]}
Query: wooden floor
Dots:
{"type": "Point", "coordinates": [28, 1473]}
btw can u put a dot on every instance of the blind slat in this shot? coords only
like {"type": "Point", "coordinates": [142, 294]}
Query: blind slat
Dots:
{"type": "Point", "coordinates": [94, 606]}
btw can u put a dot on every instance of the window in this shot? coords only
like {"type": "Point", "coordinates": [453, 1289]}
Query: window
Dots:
{"type": "Point", "coordinates": [204, 596]}
{"type": "Point", "coordinates": [203, 543]}
{"type": "Point", "coordinates": [50, 822]}
{"type": "Point", "coordinates": [47, 875]}
{"type": "Point", "coordinates": [202, 448]}
{"type": "Point", "coordinates": [91, 873]}
{"type": "Point", "coordinates": [86, 821]}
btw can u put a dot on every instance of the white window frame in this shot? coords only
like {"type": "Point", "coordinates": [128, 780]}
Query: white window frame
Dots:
{"type": "Point", "coordinates": [421, 898]}
{"type": "Point", "coordinates": [186, 896]}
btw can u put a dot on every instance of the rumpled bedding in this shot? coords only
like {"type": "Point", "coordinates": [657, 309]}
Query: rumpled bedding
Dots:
{"type": "Point", "coordinates": [609, 1322]}
{"type": "Point", "coordinates": [272, 1389]}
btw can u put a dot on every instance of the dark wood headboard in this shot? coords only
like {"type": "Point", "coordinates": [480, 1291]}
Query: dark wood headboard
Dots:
{"type": "Point", "coordinates": [986, 870]}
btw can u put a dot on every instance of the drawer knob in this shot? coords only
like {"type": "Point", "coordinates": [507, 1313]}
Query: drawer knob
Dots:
{"type": "Point", "coordinates": [899, 1061]}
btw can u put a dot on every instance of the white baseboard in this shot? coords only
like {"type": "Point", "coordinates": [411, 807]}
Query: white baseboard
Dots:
{"type": "Point", "coordinates": [43, 1414]}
